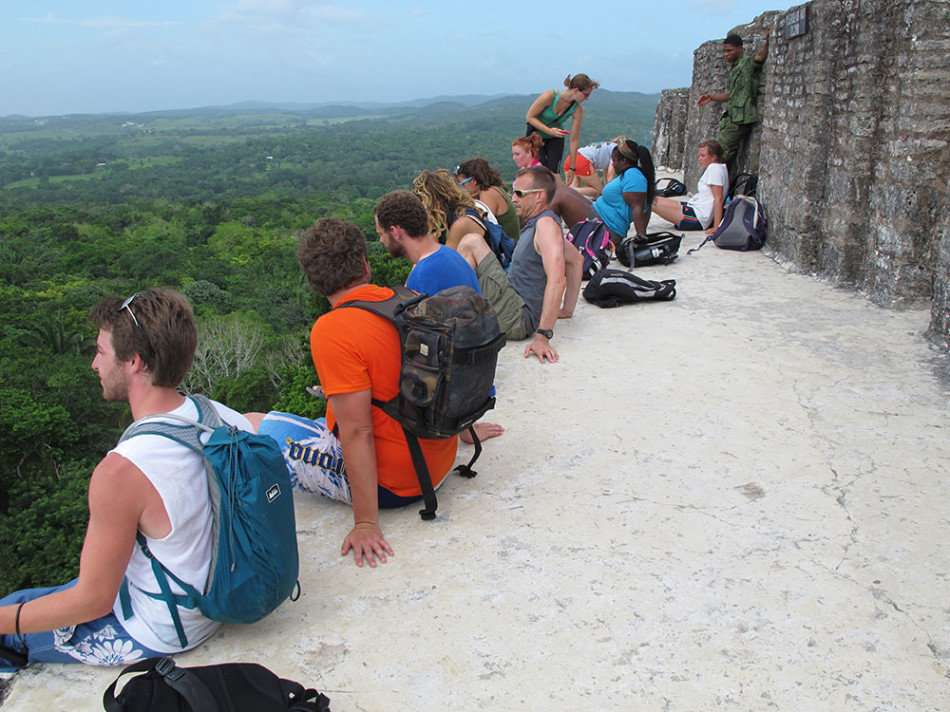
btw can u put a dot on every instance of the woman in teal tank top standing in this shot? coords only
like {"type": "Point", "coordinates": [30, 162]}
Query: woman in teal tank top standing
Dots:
{"type": "Point", "coordinates": [550, 112]}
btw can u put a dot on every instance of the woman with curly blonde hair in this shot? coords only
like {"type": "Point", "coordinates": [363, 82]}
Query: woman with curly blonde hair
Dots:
{"type": "Point", "coordinates": [450, 209]}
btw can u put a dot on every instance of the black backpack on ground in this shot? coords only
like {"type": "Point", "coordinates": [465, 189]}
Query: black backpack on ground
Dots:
{"type": "Point", "coordinates": [743, 184]}
{"type": "Point", "coordinates": [230, 687]}
{"type": "Point", "coordinates": [743, 226]}
{"type": "Point", "coordinates": [670, 187]}
{"type": "Point", "coordinates": [450, 343]}
{"type": "Point", "coordinates": [613, 287]}
{"type": "Point", "coordinates": [654, 248]}
{"type": "Point", "coordinates": [592, 240]}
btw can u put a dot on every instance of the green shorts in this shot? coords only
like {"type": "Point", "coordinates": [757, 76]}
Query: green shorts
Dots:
{"type": "Point", "coordinates": [731, 136]}
{"type": "Point", "coordinates": [508, 305]}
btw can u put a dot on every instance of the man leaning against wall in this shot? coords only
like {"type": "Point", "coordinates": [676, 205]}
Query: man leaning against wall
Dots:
{"type": "Point", "coordinates": [742, 90]}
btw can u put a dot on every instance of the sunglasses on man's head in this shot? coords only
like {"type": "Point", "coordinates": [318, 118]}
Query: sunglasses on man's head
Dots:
{"type": "Point", "coordinates": [523, 193]}
{"type": "Point", "coordinates": [127, 305]}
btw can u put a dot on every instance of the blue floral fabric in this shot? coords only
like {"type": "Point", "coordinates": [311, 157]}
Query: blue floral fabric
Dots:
{"type": "Point", "coordinates": [100, 642]}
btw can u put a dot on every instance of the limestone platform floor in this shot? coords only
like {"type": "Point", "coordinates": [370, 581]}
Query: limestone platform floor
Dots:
{"type": "Point", "coordinates": [736, 500]}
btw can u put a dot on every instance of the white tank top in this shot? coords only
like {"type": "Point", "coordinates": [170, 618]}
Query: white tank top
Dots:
{"type": "Point", "coordinates": [178, 475]}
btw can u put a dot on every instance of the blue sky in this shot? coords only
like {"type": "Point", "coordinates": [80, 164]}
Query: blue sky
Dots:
{"type": "Point", "coordinates": [63, 56]}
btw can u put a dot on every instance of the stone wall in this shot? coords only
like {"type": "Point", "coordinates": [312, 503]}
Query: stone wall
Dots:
{"type": "Point", "coordinates": [709, 77]}
{"type": "Point", "coordinates": [669, 129]}
{"type": "Point", "coordinates": [940, 312]}
{"type": "Point", "coordinates": [852, 145]}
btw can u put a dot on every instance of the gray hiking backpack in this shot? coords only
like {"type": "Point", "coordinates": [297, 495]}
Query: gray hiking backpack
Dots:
{"type": "Point", "coordinates": [743, 226]}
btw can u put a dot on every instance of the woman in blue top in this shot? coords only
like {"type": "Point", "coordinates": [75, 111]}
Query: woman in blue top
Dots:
{"type": "Point", "coordinates": [628, 197]}
{"type": "Point", "coordinates": [550, 112]}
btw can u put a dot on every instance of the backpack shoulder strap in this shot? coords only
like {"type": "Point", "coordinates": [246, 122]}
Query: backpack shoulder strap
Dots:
{"type": "Point", "coordinates": [187, 433]}
{"type": "Point", "coordinates": [425, 479]}
{"type": "Point", "coordinates": [469, 213]}
{"type": "Point", "coordinates": [188, 685]}
{"type": "Point", "coordinates": [172, 601]}
{"type": "Point", "coordinates": [422, 474]}
{"type": "Point", "coordinates": [402, 298]}
{"type": "Point", "coordinates": [709, 238]}
{"type": "Point", "coordinates": [310, 701]}
{"type": "Point", "coordinates": [473, 214]}
{"type": "Point", "coordinates": [660, 235]}
{"type": "Point", "coordinates": [206, 412]}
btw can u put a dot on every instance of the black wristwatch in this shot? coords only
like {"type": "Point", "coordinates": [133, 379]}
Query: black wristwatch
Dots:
{"type": "Point", "coordinates": [546, 333]}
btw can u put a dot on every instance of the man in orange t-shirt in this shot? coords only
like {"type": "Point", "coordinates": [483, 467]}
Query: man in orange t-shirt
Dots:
{"type": "Point", "coordinates": [358, 358]}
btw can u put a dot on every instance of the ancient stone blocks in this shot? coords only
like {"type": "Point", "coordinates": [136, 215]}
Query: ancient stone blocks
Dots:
{"type": "Point", "coordinates": [852, 144]}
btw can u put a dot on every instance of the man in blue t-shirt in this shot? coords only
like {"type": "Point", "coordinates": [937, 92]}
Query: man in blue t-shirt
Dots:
{"type": "Point", "coordinates": [403, 227]}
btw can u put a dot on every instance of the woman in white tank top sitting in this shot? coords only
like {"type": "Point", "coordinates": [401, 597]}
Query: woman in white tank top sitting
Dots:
{"type": "Point", "coordinates": [705, 209]}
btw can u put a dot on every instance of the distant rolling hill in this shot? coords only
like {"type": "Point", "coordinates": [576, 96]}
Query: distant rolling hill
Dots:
{"type": "Point", "coordinates": [244, 150]}
{"type": "Point", "coordinates": [606, 113]}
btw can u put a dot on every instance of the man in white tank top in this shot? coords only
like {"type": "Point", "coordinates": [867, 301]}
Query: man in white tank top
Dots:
{"type": "Point", "coordinates": [145, 347]}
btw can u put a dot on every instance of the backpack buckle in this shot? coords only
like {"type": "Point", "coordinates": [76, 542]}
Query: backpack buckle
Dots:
{"type": "Point", "coordinates": [166, 668]}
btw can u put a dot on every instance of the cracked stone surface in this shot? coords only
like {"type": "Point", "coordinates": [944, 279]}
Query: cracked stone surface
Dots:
{"type": "Point", "coordinates": [735, 500]}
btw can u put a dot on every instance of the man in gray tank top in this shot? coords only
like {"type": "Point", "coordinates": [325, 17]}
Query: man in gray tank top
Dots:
{"type": "Point", "coordinates": [544, 279]}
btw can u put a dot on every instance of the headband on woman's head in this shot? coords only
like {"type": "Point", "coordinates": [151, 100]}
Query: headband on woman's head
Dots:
{"type": "Point", "coordinates": [627, 152]}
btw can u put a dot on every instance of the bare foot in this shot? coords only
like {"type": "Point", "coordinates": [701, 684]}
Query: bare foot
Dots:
{"type": "Point", "coordinates": [484, 431]}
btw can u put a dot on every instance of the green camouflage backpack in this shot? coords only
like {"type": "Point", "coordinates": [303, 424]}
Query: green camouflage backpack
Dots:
{"type": "Point", "coordinates": [450, 343]}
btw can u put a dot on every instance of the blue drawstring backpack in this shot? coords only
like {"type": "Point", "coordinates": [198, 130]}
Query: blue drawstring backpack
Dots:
{"type": "Point", "coordinates": [254, 560]}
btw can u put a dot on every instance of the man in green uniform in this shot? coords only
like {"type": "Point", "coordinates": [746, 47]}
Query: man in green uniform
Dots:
{"type": "Point", "coordinates": [742, 89]}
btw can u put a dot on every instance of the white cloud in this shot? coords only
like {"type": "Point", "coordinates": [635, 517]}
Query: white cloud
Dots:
{"type": "Point", "coordinates": [330, 13]}
{"type": "Point", "coordinates": [313, 56]}
{"type": "Point", "coordinates": [267, 6]}
{"type": "Point", "coordinates": [48, 18]}
{"type": "Point", "coordinates": [274, 17]}
{"type": "Point", "coordinates": [714, 7]}
{"type": "Point", "coordinates": [102, 23]}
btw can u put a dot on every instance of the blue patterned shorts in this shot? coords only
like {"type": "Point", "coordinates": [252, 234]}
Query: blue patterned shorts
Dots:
{"type": "Point", "coordinates": [100, 642]}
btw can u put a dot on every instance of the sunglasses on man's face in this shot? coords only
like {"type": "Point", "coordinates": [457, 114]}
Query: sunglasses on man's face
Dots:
{"type": "Point", "coordinates": [523, 193]}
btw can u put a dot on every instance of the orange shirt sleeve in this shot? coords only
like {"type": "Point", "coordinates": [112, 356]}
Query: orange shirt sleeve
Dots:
{"type": "Point", "coordinates": [341, 365]}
